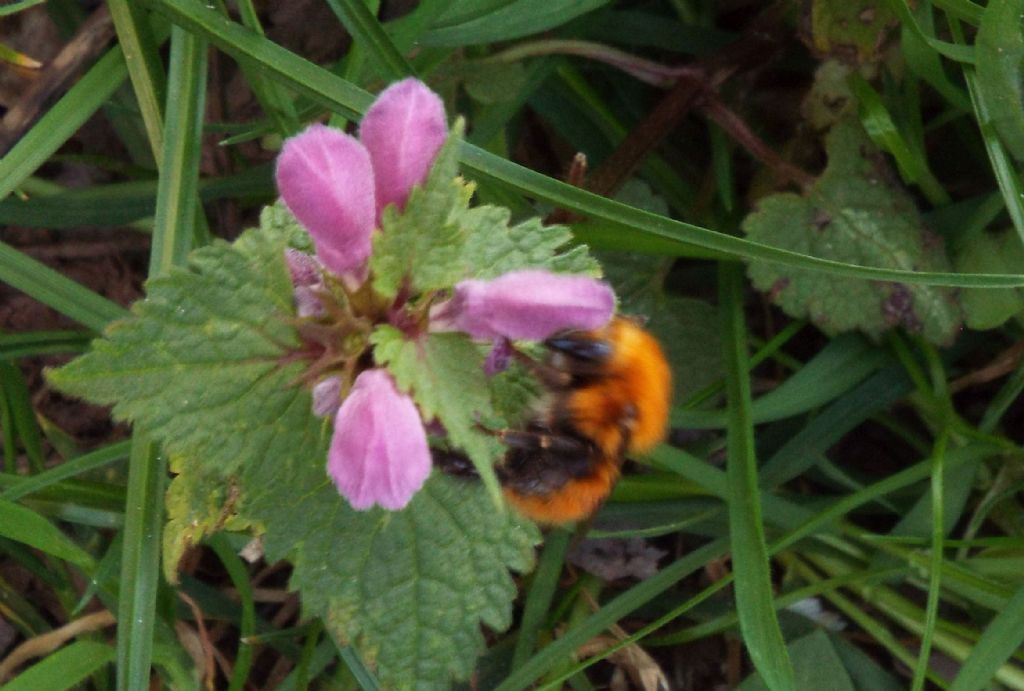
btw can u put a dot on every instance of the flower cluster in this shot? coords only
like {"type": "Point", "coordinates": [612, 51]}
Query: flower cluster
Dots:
{"type": "Point", "coordinates": [337, 187]}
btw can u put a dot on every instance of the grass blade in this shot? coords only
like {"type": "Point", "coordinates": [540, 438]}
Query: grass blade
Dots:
{"type": "Point", "coordinates": [76, 466]}
{"type": "Point", "coordinates": [538, 601]}
{"type": "Point", "coordinates": [247, 627]}
{"type": "Point", "coordinates": [59, 292]}
{"type": "Point", "coordinates": [140, 564]}
{"type": "Point", "coordinates": [562, 649]}
{"type": "Point", "coordinates": [350, 101]}
{"type": "Point", "coordinates": [24, 525]}
{"type": "Point", "coordinates": [176, 213]}
{"type": "Point", "coordinates": [177, 191]}
{"type": "Point", "coordinates": [1001, 639]}
{"type": "Point", "coordinates": [754, 597]}
{"type": "Point", "coordinates": [62, 120]}
{"type": "Point", "coordinates": [144, 68]}
{"type": "Point", "coordinates": [31, 343]}
{"type": "Point", "coordinates": [1002, 165]}
{"type": "Point", "coordinates": [370, 35]}
{"type": "Point", "coordinates": [64, 668]}
{"type": "Point", "coordinates": [935, 568]}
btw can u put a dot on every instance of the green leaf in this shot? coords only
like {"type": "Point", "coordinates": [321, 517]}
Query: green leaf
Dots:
{"type": "Point", "coordinates": [438, 240]}
{"type": "Point", "coordinates": [445, 376]}
{"type": "Point", "coordinates": [829, 99]}
{"type": "Point", "coordinates": [64, 668]}
{"type": "Point", "coordinates": [495, 248]}
{"type": "Point", "coordinates": [1000, 56]}
{"type": "Point", "coordinates": [507, 21]}
{"type": "Point", "coordinates": [989, 252]}
{"type": "Point", "coordinates": [26, 526]}
{"type": "Point", "coordinates": [424, 242]}
{"type": "Point", "coordinates": [671, 237]}
{"type": "Point", "coordinates": [492, 81]}
{"type": "Point", "coordinates": [199, 503]}
{"type": "Point", "coordinates": [686, 327]}
{"type": "Point", "coordinates": [408, 589]}
{"type": "Point", "coordinates": [853, 213]}
{"type": "Point", "coordinates": [759, 622]}
{"type": "Point", "coordinates": [203, 365]}
{"type": "Point", "coordinates": [1002, 637]}
{"type": "Point", "coordinates": [816, 664]}
{"type": "Point", "coordinates": [200, 364]}
{"type": "Point", "coordinates": [854, 31]}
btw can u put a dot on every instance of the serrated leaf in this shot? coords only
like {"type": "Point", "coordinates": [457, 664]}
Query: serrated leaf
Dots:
{"type": "Point", "coordinates": [277, 220]}
{"type": "Point", "coordinates": [408, 589]}
{"type": "Point", "coordinates": [991, 253]}
{"type": "Point", "coordinates": [512, 392]}
{"type": "Point", "coordinates": [424, 242]}
{"type": "Point", "coordinates": [437, 240]}
{"type": "Point", "coordinates": [854, 213]}
{"type": "Point", "coordinates": [1000, 58]}
{"type": "Point", "coordinates": [199, 364]}
{"type": "Point", "coordinates": [444, 375]}
{"type": "Point", "coordinates": [199, 503]}
{"type": "Point", "coordinates": [494, 248]}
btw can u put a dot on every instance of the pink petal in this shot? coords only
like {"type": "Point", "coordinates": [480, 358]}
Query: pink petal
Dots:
{"type": "Point", "coordinates": [403, 131]}
{"type": "Point", "coordinates": [379, 452]}
{"type": "Point", "coordinates": [326, 179]}
{"type": "Point", "coordinates": [530, 304]}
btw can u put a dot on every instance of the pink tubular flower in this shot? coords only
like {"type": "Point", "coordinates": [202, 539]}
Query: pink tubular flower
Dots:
{"type": "Point", "coordinates": [530, 304]}
{"type": "Point", "coordinates": [337, 186]}
{"type": "Point", "coordinates": [379, 453]}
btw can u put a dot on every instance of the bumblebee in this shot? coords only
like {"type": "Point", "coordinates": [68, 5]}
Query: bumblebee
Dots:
{"type": "Point", "coordinates": [607, 394]}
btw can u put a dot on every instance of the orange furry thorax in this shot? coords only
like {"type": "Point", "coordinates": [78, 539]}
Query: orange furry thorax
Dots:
{"type": "Point", "coordinates": [636, 381]}
{"type": "Point", "coordinates": [612, 405]}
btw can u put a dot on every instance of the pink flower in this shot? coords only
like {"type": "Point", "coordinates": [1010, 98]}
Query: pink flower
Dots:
{"type": "Point", "coordinates": [306, 282]}
{"type": "Point", "coordinates": [337, 185]}
{"type": "Point", "coordinates": [327, 397]}
{"type": "Point", "coordinates": [379, 453]}
{"type": "Point", "coordinates": [529, 304]}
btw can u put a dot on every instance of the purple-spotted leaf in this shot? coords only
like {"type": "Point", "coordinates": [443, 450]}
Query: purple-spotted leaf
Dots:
{"type": "Point", "coordinates": [855, 212]}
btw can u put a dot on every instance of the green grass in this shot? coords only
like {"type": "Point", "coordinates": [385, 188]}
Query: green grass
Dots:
{"type": "Point", "coordinates": [865, 473]}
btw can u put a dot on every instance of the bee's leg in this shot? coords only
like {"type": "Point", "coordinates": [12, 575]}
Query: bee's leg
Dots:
{"type": "Point", "coordinates": [551, 377]}
{"type": "Point", "coordinates": [543, 440]}
{"type": "Point", "coordinates": [454, 463]}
